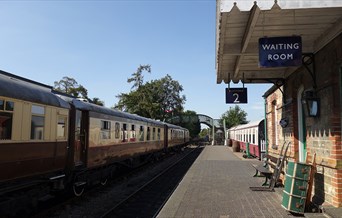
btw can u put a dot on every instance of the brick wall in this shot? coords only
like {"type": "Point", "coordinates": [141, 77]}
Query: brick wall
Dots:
{"type": "Point", "coordinates": [323, 134]}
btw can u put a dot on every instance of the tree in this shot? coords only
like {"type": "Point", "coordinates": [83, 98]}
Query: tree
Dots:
{"type": "Point", "coordinates": [137, 77]}
{"type": "Point", "coordinates": [204, 134]}
{"type": "Point", "coordinates": [189, 120]}
{"type": "Point", "coordinates": [170, 98]}
{"type": "Point", "coordinates": [97, 101]}
{"type": "Point", "coordinates": [157, 99]}
{"type": "Point", "coordinates": [70, 86]}
{"type": "Point", "coordinates": [234, 116]}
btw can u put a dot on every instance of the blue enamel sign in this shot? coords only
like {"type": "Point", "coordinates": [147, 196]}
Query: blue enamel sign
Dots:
{"type": "Point", "coordinates": [236, 95]}
{"type": "Point", "coordinates": [280, 51]}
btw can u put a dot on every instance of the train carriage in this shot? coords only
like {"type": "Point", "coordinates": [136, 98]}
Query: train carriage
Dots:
{"type": "Point", "coordinates": [250, 137]}
{"type": "Point", "coordinates": [33, 129]}
{"type": "Point", "coordinates": [50, 141]}
{"type": "Point", "coordinates": [104, 136]}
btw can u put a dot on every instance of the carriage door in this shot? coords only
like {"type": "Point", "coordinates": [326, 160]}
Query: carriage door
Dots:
{"type": "Point", "coordinates": [166, 137]}
{"type": "Point", "coordinates": [81, 134]}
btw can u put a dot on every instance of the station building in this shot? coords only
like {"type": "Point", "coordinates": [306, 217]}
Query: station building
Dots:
{"type": "Point", "coordinates": [304, 104]}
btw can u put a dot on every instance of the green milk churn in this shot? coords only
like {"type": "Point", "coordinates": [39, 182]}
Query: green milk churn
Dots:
{"type": "Point", "coordinates": [296, 187]}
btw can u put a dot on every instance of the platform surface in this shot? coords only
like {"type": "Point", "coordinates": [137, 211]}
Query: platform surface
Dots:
{"type": "Point", "coordinates": [217, 185]}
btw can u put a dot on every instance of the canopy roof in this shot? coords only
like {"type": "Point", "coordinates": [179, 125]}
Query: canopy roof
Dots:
{"type": "Point", "coordinates": [240, 24]}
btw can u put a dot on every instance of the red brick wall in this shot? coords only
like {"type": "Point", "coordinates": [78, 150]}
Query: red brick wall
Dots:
{"type": "Point", "coordinates": [323, 134]}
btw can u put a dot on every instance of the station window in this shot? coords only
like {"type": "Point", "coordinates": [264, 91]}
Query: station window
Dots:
{"type": "Point", "coordinates": [6, 119]}
{"type": "Point", "coordinates": [105, 129]}
{"type": "Point", "coordinates": [141, 133]}
{"type": "Point", "coordinates": [62, 127]}
{"type": "Point", "coordinates": [117, 130]}
{"type": "Point", "coordinates": [37, 122]}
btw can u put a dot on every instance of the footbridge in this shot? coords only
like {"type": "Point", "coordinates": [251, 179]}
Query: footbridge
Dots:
{"type": "Point", "coordinates": [214, 124]}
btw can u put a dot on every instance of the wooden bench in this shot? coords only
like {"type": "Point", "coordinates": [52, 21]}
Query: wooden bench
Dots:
{"type": "Point", "coordinates": [264, 168]}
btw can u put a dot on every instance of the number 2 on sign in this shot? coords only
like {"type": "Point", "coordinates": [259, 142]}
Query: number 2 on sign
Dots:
{"type": "Point", "coordinates": [236, 98]}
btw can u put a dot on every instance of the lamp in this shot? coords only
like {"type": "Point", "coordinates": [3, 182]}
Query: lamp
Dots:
{"type": "Point", "coordinates": [311, 103]}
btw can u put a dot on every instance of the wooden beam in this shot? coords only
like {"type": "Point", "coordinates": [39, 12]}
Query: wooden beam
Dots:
{"type": "Point", "coordinates": [328, 35]}
{"type": "Point", "coordinates": [252, 20]}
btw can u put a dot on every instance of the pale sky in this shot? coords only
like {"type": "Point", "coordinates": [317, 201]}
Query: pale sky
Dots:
{"type": "Point", "coordinates": [101, 43]}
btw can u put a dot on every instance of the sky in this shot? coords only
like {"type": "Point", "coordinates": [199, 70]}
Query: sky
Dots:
{"type": "Point", "coordinates": [101, 43]}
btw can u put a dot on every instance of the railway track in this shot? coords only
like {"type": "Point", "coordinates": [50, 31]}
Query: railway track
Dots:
{"type": "Point", "coordinates": [100, 199]}
{"type": "Point", "coordinates": [148, 200]}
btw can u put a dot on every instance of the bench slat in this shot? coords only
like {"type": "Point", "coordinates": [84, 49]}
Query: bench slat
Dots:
{"type": "Point", "coordinates": [262, 169]}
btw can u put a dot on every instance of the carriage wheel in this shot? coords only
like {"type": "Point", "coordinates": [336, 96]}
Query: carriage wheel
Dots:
{"type": "Point", "coordinates": [104, 181]}
{"type": "Point", "coordinates": [78, 189]}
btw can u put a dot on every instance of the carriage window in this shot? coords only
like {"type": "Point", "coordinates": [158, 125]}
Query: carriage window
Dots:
{"type": "Point", "coordinates": [5, 125]}
{"type": "Point", "coordinates": [133, 132]}
{"type": "Point", "coordinates": [105, 129]}
{"type": "Point", "coordinates": [158, 135]}
{"type": "Point", "coordinates": [61, 127]}
{"type": "Point", "coordinates": [105, 125]}
{"type": "Point", "coordinates": [37, 122]}
{"type": "Point", "coordinates": [141, 133]}
{"type": "Point", "coordinates": [6, 119]}
{"type": "Point", "coordinates": [9, 106]}
{"type": "Point", "coordinates": [117, 130]}
{"type": "Point", "coordinates": [124, 129]}
{"type": "Point", "coordinates": [148, 134]}
{"type": "Point", "coordinates": [154, 134]}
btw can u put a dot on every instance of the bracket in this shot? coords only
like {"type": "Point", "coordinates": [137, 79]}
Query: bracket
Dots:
{"type": "Point", "coordinates": [308, 59]}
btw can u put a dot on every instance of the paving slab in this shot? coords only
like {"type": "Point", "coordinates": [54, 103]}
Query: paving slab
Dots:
{"type": "Point", "coordinates": [217, 185]}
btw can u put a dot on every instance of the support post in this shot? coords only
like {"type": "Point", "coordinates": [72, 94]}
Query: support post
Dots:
{"type": "Point", "coordinates": [213, 142]}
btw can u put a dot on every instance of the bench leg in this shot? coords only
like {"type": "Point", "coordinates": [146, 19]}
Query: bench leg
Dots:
{"type": "Point", "coordinates": [265, 183]}
{"type": "Point", "coordinates": [256, 173]}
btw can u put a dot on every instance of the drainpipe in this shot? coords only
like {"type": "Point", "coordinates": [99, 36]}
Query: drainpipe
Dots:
{"type": "Point", "coordinates": [265, 127]}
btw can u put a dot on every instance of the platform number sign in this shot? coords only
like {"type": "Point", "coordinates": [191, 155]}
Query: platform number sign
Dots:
{"type": "Point", "coordinates": [236, 95]}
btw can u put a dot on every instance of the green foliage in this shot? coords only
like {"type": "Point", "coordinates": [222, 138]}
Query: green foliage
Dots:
{"type": "Point", "coordinates": [157, 99]}
{"type": "Point", "coordinates": [234, 116]}
{"type": "Point", "coordinates": [204, 132]}
{"type": "Point", "coordinates": [189, 119]}
{"type": "Point", "coordinates": [137, 77]}
{"type": "Point", "coordinates": [70, 86]}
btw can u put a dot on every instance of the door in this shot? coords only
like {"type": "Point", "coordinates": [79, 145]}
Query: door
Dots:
{"type": "Point", "coordinates": [81, 133]}
{"type": "Point", "coordinates": [301, 127]}
{"type": "Point", "coordinates": [166, 137]}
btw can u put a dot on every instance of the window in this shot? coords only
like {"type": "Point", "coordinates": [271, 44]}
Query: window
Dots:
{"type": "Point", "coordinates": [6, 119]}
{"type": "Point", "coordinates": [117, 130]}
{"type": "Point", "coordinates": [37, 122]}
{"type": "Point", "coordinates": [105, 125]}
{"type": "Point", "coordinates": [61, 127]}
{"type": "Point", "coordinates": [153, 133]}
{"type": "Point", "coordinates": [158, 136]}
{"type": "Point", "coordinates": [141, 133]}
{"type": "Point", "coordinates": [133, 135]}
{"type": "Point", "coordinates": [105, 129]}
{"type": "Point", "coordinates": [148, 134]}
{"type": "Point", "coordinates": [124, 130]}
{"type": "Point", "coordinates": [253, 139]}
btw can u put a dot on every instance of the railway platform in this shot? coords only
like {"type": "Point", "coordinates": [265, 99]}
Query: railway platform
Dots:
{"type": "Point", "coordinates": [217, 185]}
